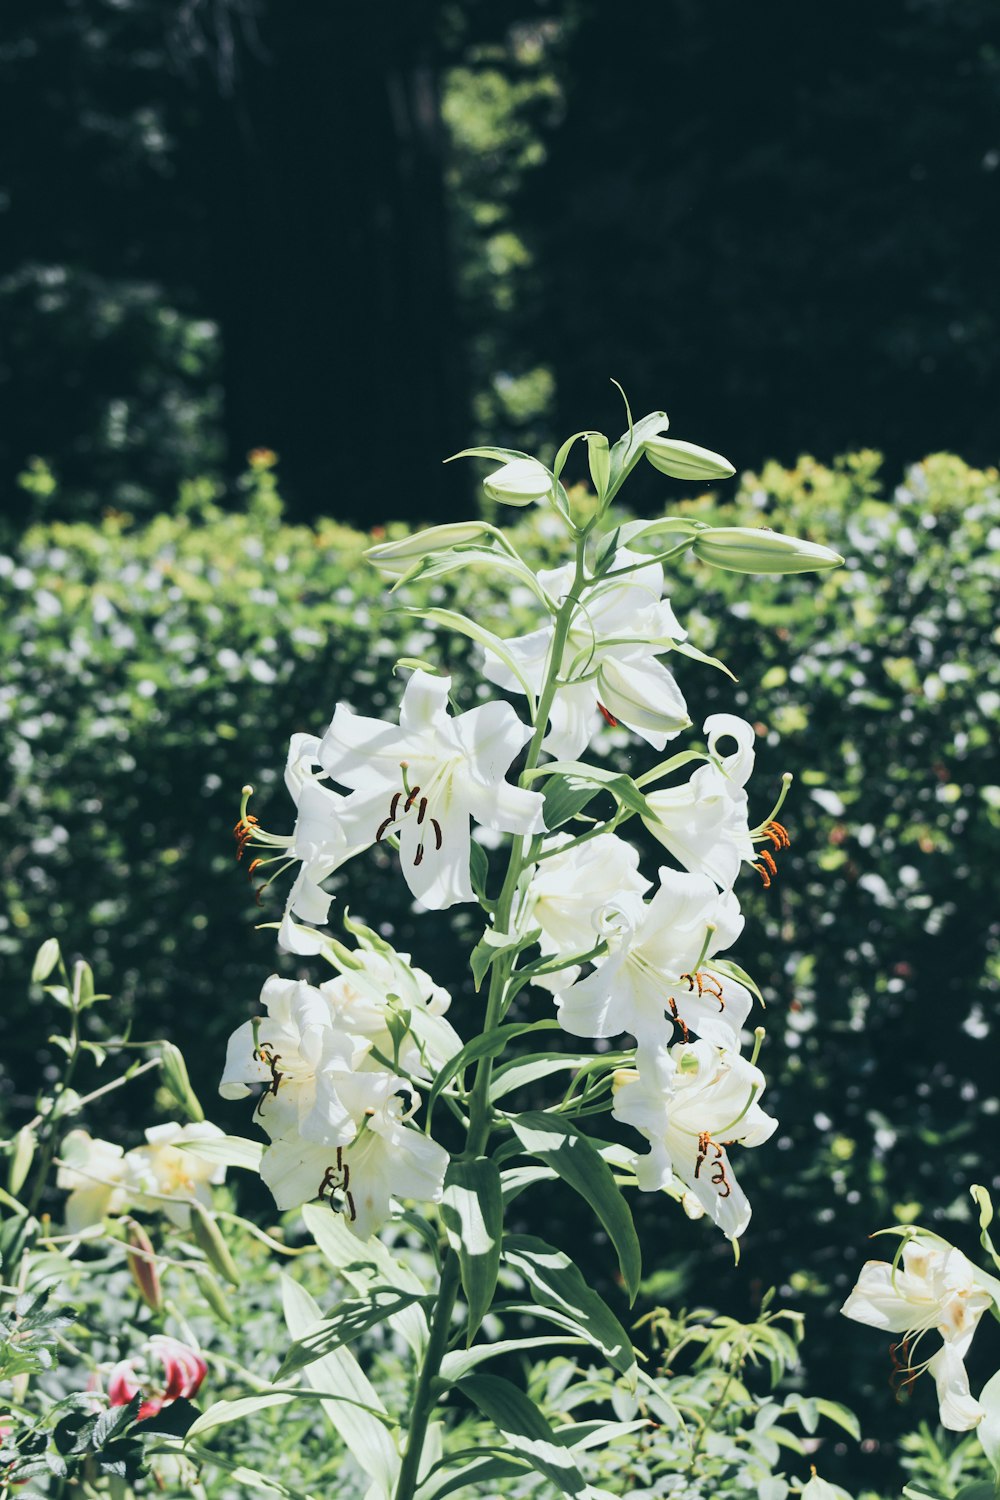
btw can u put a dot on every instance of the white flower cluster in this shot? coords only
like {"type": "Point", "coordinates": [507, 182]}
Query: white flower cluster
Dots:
{"type": "Point", "coordinates": [103, 1179]}
{"type": "Point", "coordinates": [339, 1089]}
{"type": "Point", "coordinates": [339, 1064]}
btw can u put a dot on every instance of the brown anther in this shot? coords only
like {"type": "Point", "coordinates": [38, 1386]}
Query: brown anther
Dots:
{"type": "Point", "coordinates": [271, 1059]}
{"type": "Point", "coordinates": [422, 809]}
{"type": "Point", "coordinates": [767, 859]}
{"type": "Point", "coordinates": [609, 718]}
{"type": "Point", "coordinates": [438, 836]}
{"type": "Point", "coordinates": [418, 858]}
{"type": "Point", "coordinates": [255, 865]}
{"type": "Point", "coordinates": [394, 804]}
{"type": "Point", "coordinates": [380, 831]}
{"type": "Point", "coordinates": [672, 1007]}
{"type": "Point", "coordinates": [411, 799]}
{"type": "Point", "coordinates": [778, 834]}
{"type": "Point", "coordinates": [765, 877]}
{"type": "Point", "coordinates": [352, 1212]}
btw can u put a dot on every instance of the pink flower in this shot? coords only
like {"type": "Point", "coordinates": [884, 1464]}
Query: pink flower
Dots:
{"type": "Point", "coordinates": [183, 1367]}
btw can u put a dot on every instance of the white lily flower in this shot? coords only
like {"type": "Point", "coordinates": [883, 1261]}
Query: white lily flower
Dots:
{"type": "Point", "coordinates": [656, 968]}
{"type": "Point", "coordinates": [610, 659]}
{"type": "Point", "coordinates": [932, 1288]}
{"type": "Point", "coordinates": [389, 1160]}
{"type": "Point", "coordinates": [691, 1101]}
{"type": "Point", "coordinates": [569, 890]}
{"type": "Point", "coordinates": [704, 824]}
{"type": "Point", "coordinates": [161, 1169]}
{"type": "Point", "coordinates": [363, 1000]}
{"type": "Point", "coordinates": [427, 777]}
{"type": "Point", "coordinates": [316, 1086]}
{"type": "Point", "coordinates": [95, 1173]}
{"type": "Point", "coordinates": [821, 1489]}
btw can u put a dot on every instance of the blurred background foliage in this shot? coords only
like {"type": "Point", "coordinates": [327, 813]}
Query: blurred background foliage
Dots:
{"type": "Point", "coordinates": [365, 236]}
{"type": "Point", "coordinates": [230, 224]}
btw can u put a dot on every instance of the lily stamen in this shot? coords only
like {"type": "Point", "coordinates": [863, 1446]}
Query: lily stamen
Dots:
{"type": "Point", "coordinates": [703, 981]}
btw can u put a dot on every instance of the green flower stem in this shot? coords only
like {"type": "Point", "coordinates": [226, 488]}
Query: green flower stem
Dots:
{"type": "Point", "coordinates": [480, 1109]}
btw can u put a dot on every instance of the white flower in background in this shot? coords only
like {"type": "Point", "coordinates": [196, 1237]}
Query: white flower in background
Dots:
{"type": "Point", "coordinates": [692, 1101]}
{"type": "Point", "coordinates": [162, 1169]}
{"type": "Point", "coordinates": [388, 1160]}
{"type": "Point", "coordinates": [932, 1288]}
{"type": "Point", "coordinates": [308, 1063]}
{"type": "Point", "coordinates": [569, 890]}
{"type": "Point", "coordinates": [94, 1172]}
{"type": "Point", "coordinates": [704, 824]}
{"type": "Point", "coordinates": [821, 1489]}
{"type": "Point", "coordinates": [429, 776]}
{"type": "Point", "coordinates": [617, 633]}
{"type": "Point", "coordinates": [656, 973]}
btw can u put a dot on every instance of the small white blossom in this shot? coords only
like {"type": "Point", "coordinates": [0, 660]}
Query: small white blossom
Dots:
{"type": "Point", "coordinates": [569, 890]}
{"type": "Point", "coordinates": [704, 824]}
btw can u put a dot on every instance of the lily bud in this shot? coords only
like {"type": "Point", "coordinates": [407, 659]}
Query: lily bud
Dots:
{"type": "Point", "coordinates": [686, 460]}
{"type": "Point", "coordinates": [397, 558]}
{"type": "Point", "coordinates": [175, 1079]}
{"type": "Point", "coordinates": [752, 549]}
{"type": "Point", "coordinates": [521, 482]}
{"type": "Point", "coordinates": [143, 1266]}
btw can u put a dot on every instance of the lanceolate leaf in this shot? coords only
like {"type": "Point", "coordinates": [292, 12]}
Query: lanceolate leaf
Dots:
{"type": "Point", "coordinates": [467, 1467]}
{"type": "Point", "coordinates": [366, 1266]}
{"type": "Point", "coordinates": [526, 1430]}
{"type": "Point", "coordinates": [351, 1319]}
{"type": "Point", "coordinates": [562, 1146]}
{"type": "Point", "coordinates": [554, 1281]}
{"type": "Point", "coordinates": [229, 1150]}
{"type": "Point", "coordinates": [472, 1214]}
{"type": "Point", "coordinates": [339, 1373]}
{"type": "Point", "coordinates": [563, 798]}
{"type": "Point", "coordinates": [450, 619]}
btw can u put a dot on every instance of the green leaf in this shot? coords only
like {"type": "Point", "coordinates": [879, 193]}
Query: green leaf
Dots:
{"type": "Point", "coordinates": [684, 648]}
{"type": "Point", "coordinates": [842, 1415]}
{"type": "Point", "coordinates": [560, 1145]}
{"type": "Point", "coordinates": [482, 1467]}
{"type": "Point", "coordinates": [365, 1266]}
{"type": "Point", "coordinates": [554, 1281]}
{"type": "Point", "coordinates": [516, 1179]}
{"type": "Point", "coordinates": [339, 1372]}
{"type": "Point", "coordinates": [666, 526]}
{"type": "Point", "coordinates": [350, 1320]}
{"type": "Point", "coordinates": [221, 1413]}
{"type": "Point", "coordinates": [472, 1215]}
{"type": "Point", "coordinates": [229, 1150]}
{"type": "Point", "coordinates": [583, 1435]}
{"type": "Point", "coordinates": [526, 1430]}
{"type": "Point", "coordinates": [599, 460]}
{"type": "Point", "coordinates": [450, 619]}
{"type": "Point", "coordinates": [461, 1362]}
{"type": "Point", "coordinates": [45, 960]}
{"type": "Point", "coordinates": [525, 1070]}
{"type": "Point", "coordinates": [479, 869]}
{"type": "Point", "coordinates": [502, 455]}
{"type": "Point", "coordinates": [563, 798]}
{"type": "Point", "coordinates": [489, 1044]}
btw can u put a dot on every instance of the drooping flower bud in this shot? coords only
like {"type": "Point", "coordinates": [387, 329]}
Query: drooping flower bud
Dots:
{"type": "Point", "coordinates": [142, 1266]}
{"type": "Point", "coordinates": [686, 460]}
{"type": "Point", "coordinates": [753, 549]}
{"type": "Point", "coordinates": [397, 558]}
{"type": "Point", "coordinates": [521, 482]}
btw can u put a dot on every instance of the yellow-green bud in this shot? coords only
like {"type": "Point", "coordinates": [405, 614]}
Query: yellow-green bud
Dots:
{"type": "Point", "coordinates": [209, 1239]}
{"type": "Point", "coordinates": [397, 558]}
{"type": "Point", "coordinates": [175, 1078]}
{"type": "Point", "coordinates": [753, 549]}
{"type": "Point", "coordinates": [521, 482]}
{"type": "Point", "coordinates": [686, 460]}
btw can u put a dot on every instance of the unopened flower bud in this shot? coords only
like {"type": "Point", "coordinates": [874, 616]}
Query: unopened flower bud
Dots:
{"type": "Point", "coordinates": [142, 1265]}
{"type": "Point", "coordinates": [751, 549]}
{"type": "Point", "coordinates": [175, 1078]}
{"type": "Point", "coordinates": [397, 558]}
{"type": "Point", "coordinates": [209, 1239]}
{"type": "Point", "coordinates": [521, 482]}
{"type": "Point", "coordinates": [686, 460]}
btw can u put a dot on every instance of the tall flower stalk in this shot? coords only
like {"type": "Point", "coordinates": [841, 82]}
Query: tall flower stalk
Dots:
{"type": "Point", "coordinates": [574, 937]}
